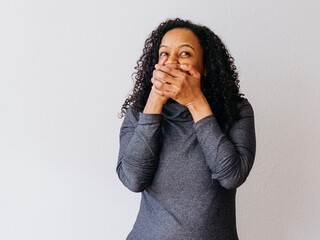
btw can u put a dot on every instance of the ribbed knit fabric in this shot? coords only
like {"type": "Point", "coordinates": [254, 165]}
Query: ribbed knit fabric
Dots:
{"type": "Point", "coordinates": [187, 172]}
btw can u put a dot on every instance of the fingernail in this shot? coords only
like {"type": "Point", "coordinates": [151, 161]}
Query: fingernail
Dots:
{"type": "Point", "coordinates": [183, 65]}
{"type": "Point", "coordinates": [156, 65]}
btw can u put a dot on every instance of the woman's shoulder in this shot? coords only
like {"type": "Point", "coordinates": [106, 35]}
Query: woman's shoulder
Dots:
{"type": "Point", "coordinates": [245, 108]}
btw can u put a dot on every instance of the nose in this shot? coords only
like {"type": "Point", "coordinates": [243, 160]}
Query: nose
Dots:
{"type": "Point", "coordinates": [172, 59]}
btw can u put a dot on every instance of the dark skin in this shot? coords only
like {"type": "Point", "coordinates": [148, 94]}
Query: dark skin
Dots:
{"type": "Point", "coordinates": [178, 74]}
{"type": "Point", "coordinates": [177, 82]}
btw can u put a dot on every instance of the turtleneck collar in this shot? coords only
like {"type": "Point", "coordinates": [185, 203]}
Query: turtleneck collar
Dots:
{"type": "Point", "coordinates": [173, 110]}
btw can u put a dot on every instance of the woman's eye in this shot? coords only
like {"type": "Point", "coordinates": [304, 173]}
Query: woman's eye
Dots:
{"type": "Point", "coordinates": [163, 54]}
{"type": "Point", "coordinates": [185, 54]}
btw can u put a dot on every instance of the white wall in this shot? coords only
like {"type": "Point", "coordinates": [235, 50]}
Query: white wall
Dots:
{"type": "Point", "coordinates": [65, 68]}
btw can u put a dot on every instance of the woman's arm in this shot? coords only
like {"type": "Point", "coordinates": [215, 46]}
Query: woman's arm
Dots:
{"type": "Point", "coordinates": [199, 109]}
{"type": "Point", "coordinates": [140, 143]}
{"type": "Point", "coordinates": [139, 149]}
{"type": "Point", "coordinates": [230, 157]}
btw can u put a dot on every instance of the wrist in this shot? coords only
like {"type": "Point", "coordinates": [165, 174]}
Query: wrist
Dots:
{"type": "Point", "coordinates": [154, 104]}
{"type": "Point", "coordinates": [199, 109]}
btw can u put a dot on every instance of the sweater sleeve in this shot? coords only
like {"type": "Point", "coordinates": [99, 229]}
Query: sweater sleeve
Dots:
{"type": "Point", "coordinates": [229, 156]}
{"type": "Point", "coordinates": [139, 149]}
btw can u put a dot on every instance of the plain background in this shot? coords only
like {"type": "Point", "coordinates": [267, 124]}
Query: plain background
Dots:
{"type": "Point", "coordinates": [65, 70]}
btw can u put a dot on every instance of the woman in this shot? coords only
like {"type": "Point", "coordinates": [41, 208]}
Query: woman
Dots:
{"type": "Point", "coordinates": [187, 140]}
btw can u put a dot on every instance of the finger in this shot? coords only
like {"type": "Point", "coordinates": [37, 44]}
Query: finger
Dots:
{"type": "Point", "coordinates": [173, 66]}
{"type": "Point", "coordinates": [163, 86]}
{"type": "Point", "coordinates": [163, 60]}
{"type": "Point", "coordinates": [161, 93]}
{"type": "Point", "coordinates": [169, 70]}
{"type": "Point", "coordinates": [164, 77]}
{"type": "Point", "coordinates": [191, 70]}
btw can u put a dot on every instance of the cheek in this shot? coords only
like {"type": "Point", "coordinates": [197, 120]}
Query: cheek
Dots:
{"type": "Point", "coordinates": [189, 61]}
{"type": "Point", "coordinates": [198, 65]}
{"type": "Point", "coordinates": [186, 62]}
{"type": "Point", "coordinates": [200, 68]}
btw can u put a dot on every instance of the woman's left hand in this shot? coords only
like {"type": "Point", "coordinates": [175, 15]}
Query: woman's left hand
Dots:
{"type": "Point", "coordinates": [182, 86]}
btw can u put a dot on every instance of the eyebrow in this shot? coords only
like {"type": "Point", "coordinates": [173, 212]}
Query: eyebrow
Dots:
{"type": "Point", "coordinates": [182, 45]}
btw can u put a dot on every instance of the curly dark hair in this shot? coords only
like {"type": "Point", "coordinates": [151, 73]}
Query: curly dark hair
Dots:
{"type": "Point", "coordinates": [220, 86]}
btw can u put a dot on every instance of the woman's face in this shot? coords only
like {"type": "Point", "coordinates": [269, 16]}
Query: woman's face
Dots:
{"type": "Point", "coordinates": [181, 46]}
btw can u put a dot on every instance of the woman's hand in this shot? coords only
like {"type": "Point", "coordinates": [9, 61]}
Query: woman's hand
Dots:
{"type": "Point", "coordinates": [155, 101]}
{"type": "Point", "coordinates": [160, 98]}
{"type": "Point", "coordinates": [182, 86]}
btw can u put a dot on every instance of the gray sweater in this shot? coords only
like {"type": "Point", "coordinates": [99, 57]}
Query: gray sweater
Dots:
{"type": "Point", "coordinates": [187, 172]}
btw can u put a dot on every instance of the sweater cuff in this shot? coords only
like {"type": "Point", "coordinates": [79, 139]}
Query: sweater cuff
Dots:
{"type": "Point", "coordinates": [149, 118]}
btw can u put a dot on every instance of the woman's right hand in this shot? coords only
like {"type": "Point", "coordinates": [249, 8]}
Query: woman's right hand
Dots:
{"type": "Point", "coordinates": [157, 97]}
{"type": "Point", "coordinates": [155, 101]}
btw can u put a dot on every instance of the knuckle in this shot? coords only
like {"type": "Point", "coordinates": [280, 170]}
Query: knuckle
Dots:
{"type": "Point", "coordinates": [168, 69]}
{"type": "Point", "coordinates": [158, 84]}
{"type": "Point", "coordinates": [158, 73]}
{"type": "Point", "coordinates": [164, 76]}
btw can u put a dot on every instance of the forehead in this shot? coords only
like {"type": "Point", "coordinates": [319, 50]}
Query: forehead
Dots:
{"type": "Point", "coordinates": [180, 35]}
